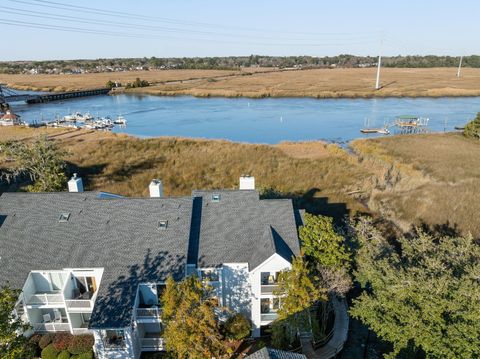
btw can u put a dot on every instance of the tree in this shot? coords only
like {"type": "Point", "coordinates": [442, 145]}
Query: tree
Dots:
{"type": "Point", "coordinates": [13, 345]}
{"type": "Point", "coordinates": [322, 243]}
{"type": "Point", "coordinates": [41, 160]}
{"type": "Point", "coordinates": [298, 290]}
{"type": "Point", "coordinates": [472, 129]}
{"type": "Point", "coordinates": [421, 294]}
{"type": "Point", "coordinates": [191, 327]}
{"type": "Point", "coordinates": [237, 327]}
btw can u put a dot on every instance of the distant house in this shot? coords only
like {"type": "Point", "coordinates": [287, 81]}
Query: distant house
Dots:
{"type": "Point", "coordinates": [9, 119]}
{"type": "Point", "coordinates": [97, 262]}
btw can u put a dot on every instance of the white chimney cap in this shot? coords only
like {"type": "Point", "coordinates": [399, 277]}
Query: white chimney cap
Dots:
{"type": "Point", "coordinates": [75, 184]}
{"type": "Point", "coordinates": [156, 188]}
{"type": "Point", "coordinates": [247, 182]}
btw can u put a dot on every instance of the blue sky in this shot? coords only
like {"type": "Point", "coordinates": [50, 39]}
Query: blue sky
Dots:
{"type": "Point", "coordinates": [56, 29]}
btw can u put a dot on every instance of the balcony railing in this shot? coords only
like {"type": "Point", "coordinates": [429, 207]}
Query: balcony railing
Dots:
{"type": "Point", "coordinates": [45, 299]}
{"type": "Point", "coordinates": [267, 288]}
{"type": "Point", "coordinates": [152, 343]}
{"type": "Point", "coordinates": [148, 313]}
{"type": "Point", "coordinates": [79, 304]}
{"type": "Point", "coordinates": [268, 317]}
{"type": "Point", "coordinates": [81, 330]}
{"type": "Point", "coordinates": [51, 327]}
{"type": "Point", "coordinates": [114, 344]}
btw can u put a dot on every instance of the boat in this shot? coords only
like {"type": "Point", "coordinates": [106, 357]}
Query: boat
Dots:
{"type": "Point", "coordinates": [120, 120]}
{"type": "Point", "coordinates": [460, 128]}
{"type": "Point", "coordinates": [383, 131]}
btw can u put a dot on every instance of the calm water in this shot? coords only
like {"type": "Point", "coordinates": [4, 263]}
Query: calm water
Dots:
{"type": "Point", "coordinates": [257, 121]}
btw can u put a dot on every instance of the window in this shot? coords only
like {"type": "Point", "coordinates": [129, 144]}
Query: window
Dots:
{"type": "Point", "coordinates": [210, 275]}
{"type": "Point", "coordinates": [265, 305]}
{"type": "Point", "coordinates": [269, 278]}
{"type": "Point", "coordinates": [64, 217]}
{"type": "Point", "coordinates": [162, 224]}
{"type": "Point", "coordinates": [114, 339]}
{"type": "Point", "coordinates": [276, 304]}
{"type": "Point", "coordinates": [215, 197]}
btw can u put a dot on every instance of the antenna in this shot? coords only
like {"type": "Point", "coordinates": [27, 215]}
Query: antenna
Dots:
{"type": "Point", "coordinates": [459, 66]}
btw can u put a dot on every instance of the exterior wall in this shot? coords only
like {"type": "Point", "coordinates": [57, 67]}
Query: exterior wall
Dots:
{"type": "Point", "coordinates": [275, 263]}
{"type": "Point", "coordinates": [236, 289]}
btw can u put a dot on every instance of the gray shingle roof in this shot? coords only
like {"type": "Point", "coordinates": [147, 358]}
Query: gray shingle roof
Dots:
{"type": "Point", "coordinates": [242, 228]}
{"type": "Point", "coordinates": [120, 235]}
{"type": "Point", "coordinates": [270, 353]}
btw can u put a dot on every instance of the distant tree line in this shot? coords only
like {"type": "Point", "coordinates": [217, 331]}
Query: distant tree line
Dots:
{"type": "Point", "coordinates": [229, 63]}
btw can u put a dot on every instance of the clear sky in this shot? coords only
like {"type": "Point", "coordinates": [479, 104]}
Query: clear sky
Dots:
{"type": "Point", "coordinates": [59, 29]}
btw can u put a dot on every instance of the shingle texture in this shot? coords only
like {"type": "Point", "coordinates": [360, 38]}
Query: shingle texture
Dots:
{"type": "Point", "coordinates": [120, 235]}
{"type": "Point", "coordinates": [270, 353]}
{"type": "Point", "coordinates": [241, 228]}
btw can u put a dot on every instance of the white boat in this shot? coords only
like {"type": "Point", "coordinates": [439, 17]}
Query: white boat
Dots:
{"type": "Point", "coordinates": [120, 120]}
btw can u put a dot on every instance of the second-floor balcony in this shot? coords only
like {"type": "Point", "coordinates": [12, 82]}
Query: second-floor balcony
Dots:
{"type": "Point", "coordinates": [45, 298]}
{"type": "Point", "coordinates": [148, 313]}
{"type": "Point", "coordinates": [51, 327]}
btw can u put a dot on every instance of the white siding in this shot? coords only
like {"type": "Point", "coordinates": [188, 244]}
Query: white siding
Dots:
{"type": "Point", "coordinates": [236, 291]}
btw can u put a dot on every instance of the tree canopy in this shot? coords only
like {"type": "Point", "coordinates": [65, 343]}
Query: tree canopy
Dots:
{"type": "Point", "coordinates": [13, 345]}
{"type": "Point", "coordinates": [472, 129]}
{"type": "Point", "coordinates": [41, 160]}
{"type": "Point", "coordinates": [423, 294]}
{"type": "Point", "coordinates": [191, 327]}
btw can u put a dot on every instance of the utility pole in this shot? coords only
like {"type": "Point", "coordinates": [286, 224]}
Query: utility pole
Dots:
{"type": "Point", "coordinates": [459, 66]}
{"type": "Point", "coordinates": [377, 83]}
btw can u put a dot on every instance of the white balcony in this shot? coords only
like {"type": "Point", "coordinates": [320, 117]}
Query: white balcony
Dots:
{"type": "Point", "coordinates": [152, 344]}
{"type": "Point", "coordinates": [148, 313]}
{"type": "Point", "coordinates": [79, 304]}
{"type": "Point", "coordinates": [81, 330]}
{"type": "Point", "coordinates": [268, 317]}
{"type": "Point", "coordinates": [53, 298]}
{"type": "Point", "coordinates": [51, 327]}
{"type": "Point", "coordinates": [267, 289]}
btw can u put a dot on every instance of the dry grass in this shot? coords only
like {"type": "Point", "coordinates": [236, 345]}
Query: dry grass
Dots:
{"type": "Point", "coordinates": [433, 179]}
{"type": "Point", "coordinates": [332, 83]}
{"type": "Point", "coordinates": [125, 165]}
{"type": "Point", "coordinates": [319, 83]}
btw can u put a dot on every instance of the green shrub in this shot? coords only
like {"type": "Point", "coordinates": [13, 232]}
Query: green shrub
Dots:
{"type": "Point", "coordinates": [87, 355]}
{"type": "Point", "coordinates": [45, 341]}
{"type": "Point", "coordinates": [472, 129]}
{"type": "Point", "coordinates": [61, 341]}
{"type": "Point", "coordinates": [81, 344]}
{"type": "Point", "coordinates": [237, 327]}
{"type": "Point", "coordinates": [64, 355]}
{"type": "Point", "coordinates": [49, 352]}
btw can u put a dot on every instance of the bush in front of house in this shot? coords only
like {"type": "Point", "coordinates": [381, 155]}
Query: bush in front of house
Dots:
{"type": "Point", "coordinates": [87, 355]}
{"type": "Point", "coordinates": [61, 341]}
{"type": "Point", "coordinates": [237, 327]}
{"type": "Point", "coordinates": [80, 344]}
{"type": "Point", "coordinates": [49, 352]}
{"type": "Point", "coordinates": [64, 354]}
{"type": "Point", "coordinates": [45, 341]}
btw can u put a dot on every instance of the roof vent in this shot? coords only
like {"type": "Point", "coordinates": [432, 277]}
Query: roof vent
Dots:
{"type": "Point", "coordinates": [215, 197]}
{"type": "Point", "coordinates": [247, 182]}
{"type": "Point", "coordinates": [162, 224]}
{"type": "Point", "coordinates": [64, 217]}
{"type": "Point", "coordinates": [75, 184]}
{"type": "Point", "coordinates": [156, 188]}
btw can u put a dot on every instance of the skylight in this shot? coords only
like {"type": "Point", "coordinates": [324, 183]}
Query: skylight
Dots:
{"type": "Point", "coordinates": [162, 224]}
{"type": "Point", "coordinates": [215, 198]}
{"type": "Point", "coordinates": [64, 217]}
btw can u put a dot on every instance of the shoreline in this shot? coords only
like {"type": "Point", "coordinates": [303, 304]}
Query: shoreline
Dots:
{"type": "Point", "coordinates": [327, 95]}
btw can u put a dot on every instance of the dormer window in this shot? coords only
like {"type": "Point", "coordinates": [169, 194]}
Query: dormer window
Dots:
{"type": "Point", "coordinates": [162, 224]}
{"type": "Point", "coordinates": [215, 197]}
{"type": "Point", "coordinates": [64, 217]}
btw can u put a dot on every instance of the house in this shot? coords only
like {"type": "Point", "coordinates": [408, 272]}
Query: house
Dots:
{"type": "Point", "coordinates": [97, 262]}
{"type": "Point", "coordinates": [9, 119]}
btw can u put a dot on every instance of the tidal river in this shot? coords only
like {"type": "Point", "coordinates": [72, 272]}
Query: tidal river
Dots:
{"type": "Point", "coordinates": [270, 120]}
